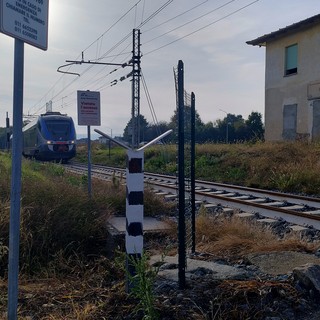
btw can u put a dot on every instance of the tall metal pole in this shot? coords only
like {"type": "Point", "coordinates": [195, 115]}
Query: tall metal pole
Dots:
{"type": "Point", "coordinates": [181, 181]}
{"type": "Point", "coordinates": [193, 173]}
{"type": "Point", "coordinates": [89, 162]}
{"type": "Point", "coordinates": [15, 194]}
{"type": "Point", "coordinates": [7, 133]}
{"type": "Point", "coordinates": [135, 112]}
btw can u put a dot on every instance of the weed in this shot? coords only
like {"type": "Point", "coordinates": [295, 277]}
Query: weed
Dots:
{"type": "Point", "coordinates": [4, 250]}
{"type": "Point", "coordinates": [283, 181]}
{"type": "Point", "coordinates": [55, 170]}
{"type": "Point", "coordinates": [142, 286]}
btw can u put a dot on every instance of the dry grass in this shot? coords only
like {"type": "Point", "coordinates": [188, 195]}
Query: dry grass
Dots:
{"type": "Point", "coordinates": [63, 272]}
{"type": "Point", "coordinates": [234, 237]}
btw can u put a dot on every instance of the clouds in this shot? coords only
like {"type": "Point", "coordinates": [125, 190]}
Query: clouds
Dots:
{"type": "Point", "coordinates": [222, 70]}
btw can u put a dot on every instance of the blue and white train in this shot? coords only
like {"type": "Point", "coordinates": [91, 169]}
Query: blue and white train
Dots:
{"type": "Point", "coordinates": [51, 136]}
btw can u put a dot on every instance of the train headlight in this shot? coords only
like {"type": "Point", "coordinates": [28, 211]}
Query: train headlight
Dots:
{"type": "Point", "coordinates": [49, 142]}
{"type": "Point", "coordinates": [72, 142]}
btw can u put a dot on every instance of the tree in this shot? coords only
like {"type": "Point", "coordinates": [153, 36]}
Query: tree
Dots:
{"type": "Point", "coordinates": [255, 126]}
{"type": "Point", "coordinates": [199, 125]}
{"type": "Point", "coordinates": [143, 125]}
{"type": "Point", "coordinates": [154, 130]}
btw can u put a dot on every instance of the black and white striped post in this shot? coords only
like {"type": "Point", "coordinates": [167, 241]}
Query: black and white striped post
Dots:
{"type": "Point", "coordinates": [134, 211]}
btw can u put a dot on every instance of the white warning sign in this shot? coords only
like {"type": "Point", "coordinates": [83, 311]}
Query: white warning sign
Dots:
{"type": "Point", "coordinates": [89, 108]}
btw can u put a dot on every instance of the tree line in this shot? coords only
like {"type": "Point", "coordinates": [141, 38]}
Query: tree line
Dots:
{"type": "Point", "coordinates": [231, 129]}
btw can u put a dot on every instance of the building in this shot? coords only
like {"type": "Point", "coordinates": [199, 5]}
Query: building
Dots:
{"type": "Point", "coordinates": [292, 81]}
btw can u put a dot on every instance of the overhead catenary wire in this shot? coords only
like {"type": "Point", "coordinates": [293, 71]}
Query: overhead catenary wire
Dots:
{"type": "Point", "coordinates": [202, 28]}
{"type": "Point", "coordinates": [99, 81]}
{"type": "Point", "coordinates": [99, 38]}
{"type": "Point", "coordinates": [177, 16]}
{"type": "Point", "coordinates": [117, 44]}
{"type": "Point", "coordinates": [193, 20]}
{"type": "Point", "coordinates": [99, 41]}
{"type": "Point", "coordinates": [149, 101]}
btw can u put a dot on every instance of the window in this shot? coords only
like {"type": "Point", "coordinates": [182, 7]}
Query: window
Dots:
{"type": "Point", "coordinates": [58, 129]}
{"type": "Point", "coordinates": [291, 60]}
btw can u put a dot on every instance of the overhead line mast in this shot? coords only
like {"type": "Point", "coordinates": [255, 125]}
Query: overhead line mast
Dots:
{"type": "Point", "coordinates": [136, 73]}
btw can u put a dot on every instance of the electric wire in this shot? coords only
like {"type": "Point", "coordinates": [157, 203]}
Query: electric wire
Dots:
{"type": "Point", "coordinates": [193, 20]}
{"type": "Point", "coordinates": [149, 101]}
{"type": "Point", "coordinates": [100, 38]}
{"type": "Point", "coordinates": [124, 38]}
{"type": "Point", "coordinates": [155, 13]}
{"type": "Point", "coordinates": [202, 28]}
{"type": "Point", "coordinates": [177, 16]}
{"type": "Point", "coordinates": [106, 55]}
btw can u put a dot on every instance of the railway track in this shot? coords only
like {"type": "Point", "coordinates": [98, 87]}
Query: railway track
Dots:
{"type": "Point", "coordinates": [296, 209]}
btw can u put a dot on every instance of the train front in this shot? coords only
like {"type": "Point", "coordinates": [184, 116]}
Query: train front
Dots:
{"type": "Point", "coordinates": [59, 135]}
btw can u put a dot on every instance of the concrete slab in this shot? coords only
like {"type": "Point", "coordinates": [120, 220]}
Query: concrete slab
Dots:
{"type": "Point", "coordinates": [230, 194]}
{"type": "Point", "coordinates": [216, 192]}
{"type": "Point", "coordinates": [267, 221]}
{"type": "Point", "coordinates": [245, 215]}
{"type": "Point", "coordinates": [169, 268]}
{"type": "Point", "coordinates": [228, 210]}
{"type": "Point", "coordinates": [161, 193]}
{"type": "Point", "coordinates": [315, 212]}
{"type": "Point", "coordinates": [244, 197]}
{"type": "Point", "coordinates": [283, 262]}
{"type": "Point", "coordinates": [149, 224]}
{"type": "Point", "coordinates": [210, 206]}
{"type": "Point", "coordinates": [294, 207]}
{"type": "Point", "coordinates": [170, 197]}
{"type": "Point", "coordinates": [297, 228]}
{"type": "Point", "coordinates": [275, 204]}
{"type": "Point", "coordinates": [257, 200]}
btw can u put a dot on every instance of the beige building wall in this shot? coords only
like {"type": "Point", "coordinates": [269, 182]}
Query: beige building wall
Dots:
{"type": "Point", "coordinates": [297, 89]}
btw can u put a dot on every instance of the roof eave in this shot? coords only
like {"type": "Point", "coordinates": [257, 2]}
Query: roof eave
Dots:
{"type": "Point", "coordinates": [257, 43]}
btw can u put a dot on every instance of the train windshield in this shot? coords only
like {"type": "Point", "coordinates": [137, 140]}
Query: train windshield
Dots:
{"type": "Point", "coordinates": [60, 130]}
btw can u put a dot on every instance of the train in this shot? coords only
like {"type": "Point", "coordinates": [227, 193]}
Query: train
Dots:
{"type": "Point", "coordinates": [50, 137]}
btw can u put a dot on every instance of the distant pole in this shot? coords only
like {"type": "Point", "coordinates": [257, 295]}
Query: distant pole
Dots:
{"type": "Point", "coordinates": [227, 134]}
{"type": "Point", "coordinates": [181, 180]}
{"type": "Point", "coordinates": [110, 144]}
{"type": "Point", "coordinates": [227, 128]}
{"type": "Point", "coordinates": [7, 132]}
{"type": "Point", "coordinates": [15, 194]}
{"type": "Point", "coordinates": [89, 162]}
{"type": "Point", "coordinates": [193, 173]}
{"type": "Point", "coordinates": [109, 148]}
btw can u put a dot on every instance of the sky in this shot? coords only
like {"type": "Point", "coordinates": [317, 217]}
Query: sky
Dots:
{"type": "Point", "coordinates": [225, 74]}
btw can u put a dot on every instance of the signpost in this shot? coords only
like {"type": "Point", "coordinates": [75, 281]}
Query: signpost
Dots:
{"type": "Point", "coordinates": [89, 114]}
{"type": "Point", "coordinates": [89, 108]}
{"type": "Point", "coordinates": [26, 21]}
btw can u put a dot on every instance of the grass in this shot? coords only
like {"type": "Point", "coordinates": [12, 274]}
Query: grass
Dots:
{"type": "Point", "coordinates": [57, 214]}
{"type": "Point", "coordinates": [235, 237]}
{"type": "Point", "coordinates": [284, 166]}
{"type": "Point", "coordinates": [64, 272]}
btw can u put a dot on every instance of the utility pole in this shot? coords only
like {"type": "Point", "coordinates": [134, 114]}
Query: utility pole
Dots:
{"type": "Point", "coordinates": [135, 112]}
{"type": "Point", "coordinates": [7, 132]}
{"type": "Point", "coordinates": [227, 125]}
